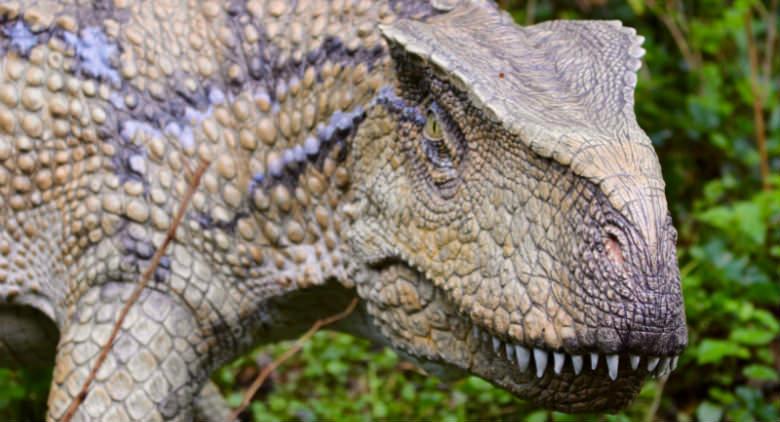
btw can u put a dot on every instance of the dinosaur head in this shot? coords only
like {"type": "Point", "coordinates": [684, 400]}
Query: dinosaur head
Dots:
{"type": "Point", "coordinates": [513, 222]}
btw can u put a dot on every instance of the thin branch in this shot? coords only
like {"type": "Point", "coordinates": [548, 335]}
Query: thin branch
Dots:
{"type": "Point", "coordinates": [691, 58]}
{"type": "Point", "coordinates": [771, 37]}
{"type": "Point", "coordinates": [530, 12]}
{"type": "Point", "coordinates": [758, 107]}
{"type": "Point", "coordinates": [680, 7]}
{"type": "Point", "coordinates": [653, 409]}
{"type": "Point", "coordinates": [263, 375]}
{"type": "Point", "coordinates": [145, 277]}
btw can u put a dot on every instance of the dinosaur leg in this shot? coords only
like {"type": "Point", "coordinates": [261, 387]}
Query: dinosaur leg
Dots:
{"type": "Point", "coordinates": [153, 371]}
{"type": "Point", "coordinates": [210, 406]}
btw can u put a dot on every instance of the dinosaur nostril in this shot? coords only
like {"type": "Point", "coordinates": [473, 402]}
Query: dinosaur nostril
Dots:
{"type": "Point", "coordinates": [614, 250]}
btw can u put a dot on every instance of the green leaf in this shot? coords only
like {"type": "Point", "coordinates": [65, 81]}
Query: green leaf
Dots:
{"type": "Point", "coordinates": [751, 336]}
{"type": "Point", "coordinates": [563, 417]}
{"type": "Point", "coordinates": [720, 217]}
{"type": "Point", "coordinates": [538, 416]}
{"type": "Point", "coordinates": [708, 412]}
{"type": "Point", "coordinates": [750, 221]}
{"type": "Point", "coordinates": [408, 392]}
{"type": "Point", "coordinates": [767, 319]}
{"type": "Point", "coordinates": [713, 351]}
{"type": "Point", "coordinates": [775, 251]}
{"type": "Point", "coordinates": [637, 6]}
{"type": "Point", "coordinates": [760, 373]}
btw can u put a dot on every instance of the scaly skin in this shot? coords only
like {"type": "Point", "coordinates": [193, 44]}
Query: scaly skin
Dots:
{"type": "Point", "coordinates": [484, 189]}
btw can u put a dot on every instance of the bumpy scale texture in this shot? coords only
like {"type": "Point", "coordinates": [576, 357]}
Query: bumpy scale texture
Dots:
{"type": "Point", "coordinates": [484, 189]}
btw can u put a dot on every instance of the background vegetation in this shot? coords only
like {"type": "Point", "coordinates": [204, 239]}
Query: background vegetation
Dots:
{"type": "Point", "coordinates": [707, 96]}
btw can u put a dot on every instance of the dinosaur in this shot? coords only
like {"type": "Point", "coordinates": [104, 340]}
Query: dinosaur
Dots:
{"type": "Point", "coordinates": [483, 189]}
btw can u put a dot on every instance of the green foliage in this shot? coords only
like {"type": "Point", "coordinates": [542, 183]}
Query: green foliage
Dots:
{"type": "Point", "coordinates": [23, 393]}
{"type": "Point", "coordinates": [339, 377]}
{"type": "Point", "coordinates": [695, 100]}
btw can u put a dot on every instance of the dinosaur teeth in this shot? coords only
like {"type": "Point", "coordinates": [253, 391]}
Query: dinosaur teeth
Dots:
{"type": "Point", "coordinates": [523, 357]}
{"type": "Point", "coordinates": [594, 361]}
{"type": "Point", "coordinates": [634, 362]}
{"type": "Point", "coordinates": [576, 363]}
{"type": "Point", "coordinates": [663, 368]}
{"type": "Point", "coordinates": [652, 363]}
{"type": "Point", "coordinates": [613, 361]}
{"type": "Point", "coordinates": [510, 352]}
{"type": "Point", "coordinates": [558, 359]}
{"type": "Point", "coordinates": [496, 344]}
{"type": "Point", "coordinates": [540, 357]}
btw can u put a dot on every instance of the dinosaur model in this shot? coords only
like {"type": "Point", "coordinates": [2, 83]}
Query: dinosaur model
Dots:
{"type": "Point", "coordinates": [483, 188]}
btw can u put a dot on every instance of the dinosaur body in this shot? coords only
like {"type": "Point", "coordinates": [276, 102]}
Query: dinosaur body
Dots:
{"type": "Point", "coordinates": [484, 189]}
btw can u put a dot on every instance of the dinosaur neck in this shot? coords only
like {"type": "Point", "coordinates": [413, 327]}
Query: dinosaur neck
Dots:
{"type": "Point", "coordinates": [291, 160]}
{"type": "Point", "coordinates": [273, 100]}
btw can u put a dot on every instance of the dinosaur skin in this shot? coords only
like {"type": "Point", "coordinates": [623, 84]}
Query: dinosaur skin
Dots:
{"type": "Point", "coordinates": [483, 189]}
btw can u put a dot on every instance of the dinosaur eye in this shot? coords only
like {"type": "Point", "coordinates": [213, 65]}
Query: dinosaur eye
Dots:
{"type": "Point", "coordinates": [433, 130]}
{"type": "Point", "coordinates": [440, 147]}
{"type": "Point", "coordinates": [439, 151]}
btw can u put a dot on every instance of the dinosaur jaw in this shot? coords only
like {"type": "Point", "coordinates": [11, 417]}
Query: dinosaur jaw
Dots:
{"type": "Point", "coordinates": [447, 343]}
{"type": "Point", "coordinates": [555, 379]}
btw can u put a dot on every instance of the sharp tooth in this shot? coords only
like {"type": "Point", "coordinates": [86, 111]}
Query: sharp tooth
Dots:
{"type": "Point", "coordinates": [674, 362]}
{"type": "Point", "coordinates": [612, 366]}
{"type": "Point", "coordinates": [558, 359]}
{"type": "Point", "coordinates": [510, 352]}
{"type": "Point", "coordinates": [576, 362]}
{"type": "Point", "coordinates": [496, 344]}
{"type": "Point", "coordinates": [594, 361]}
{"type": "Point", "coordinates": [651, 364]}
{"type": "Point", "coordinates": [523, 357]}
{"type": "Point", "coordinates": [634, 362]}
{"type": "Point", "coordinates": [540, 357]}
{"type": "Point", "coordinates": [663, 368]}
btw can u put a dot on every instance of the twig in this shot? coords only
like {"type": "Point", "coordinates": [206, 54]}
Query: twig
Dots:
{"type": "Point", "coordinates": [691, 59]}
{"type": "Point", "coordinates": [758, 107]}
{"type": "Point", "coordinates": [653, 409]}
{"type": "Point", "coordinates": [530, 12]}
{"type": "Point", "coordinates": [263, 375]}
{"type": "Point", "coordinates": [145, 277]}
{"type": "Point", "coordinates": [771, 37]}
{"type": "Point", "coordinates": [680, 8]}
{"type": "Point", "coordinates": [682, 43]}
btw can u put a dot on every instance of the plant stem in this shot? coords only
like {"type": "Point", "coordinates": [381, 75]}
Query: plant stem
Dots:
{"type": "Point", "coordinates": [145, 277]}
{"type": "Point", "coordinates": [263, 375]}
{"type": "Point", "coordinates": [758, 107]}
{"type": "Point", "coordinates": [653, 409]}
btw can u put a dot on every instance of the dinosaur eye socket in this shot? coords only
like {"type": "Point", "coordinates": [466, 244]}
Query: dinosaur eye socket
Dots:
{"type": "Point", "coordinates": [439, 150]}
{"type": "Point", "coordinates": [433, 130]}
{"type": "Point", "coordinates": [442, 150]}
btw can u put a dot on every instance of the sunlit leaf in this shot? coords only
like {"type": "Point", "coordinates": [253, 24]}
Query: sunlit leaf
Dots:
{"type": "Point", "coordinates": [708, 412]}
{"type": "Point", "coordinates": [760, 373]}
{"type": "Point", "coordinates": [713, 351]}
